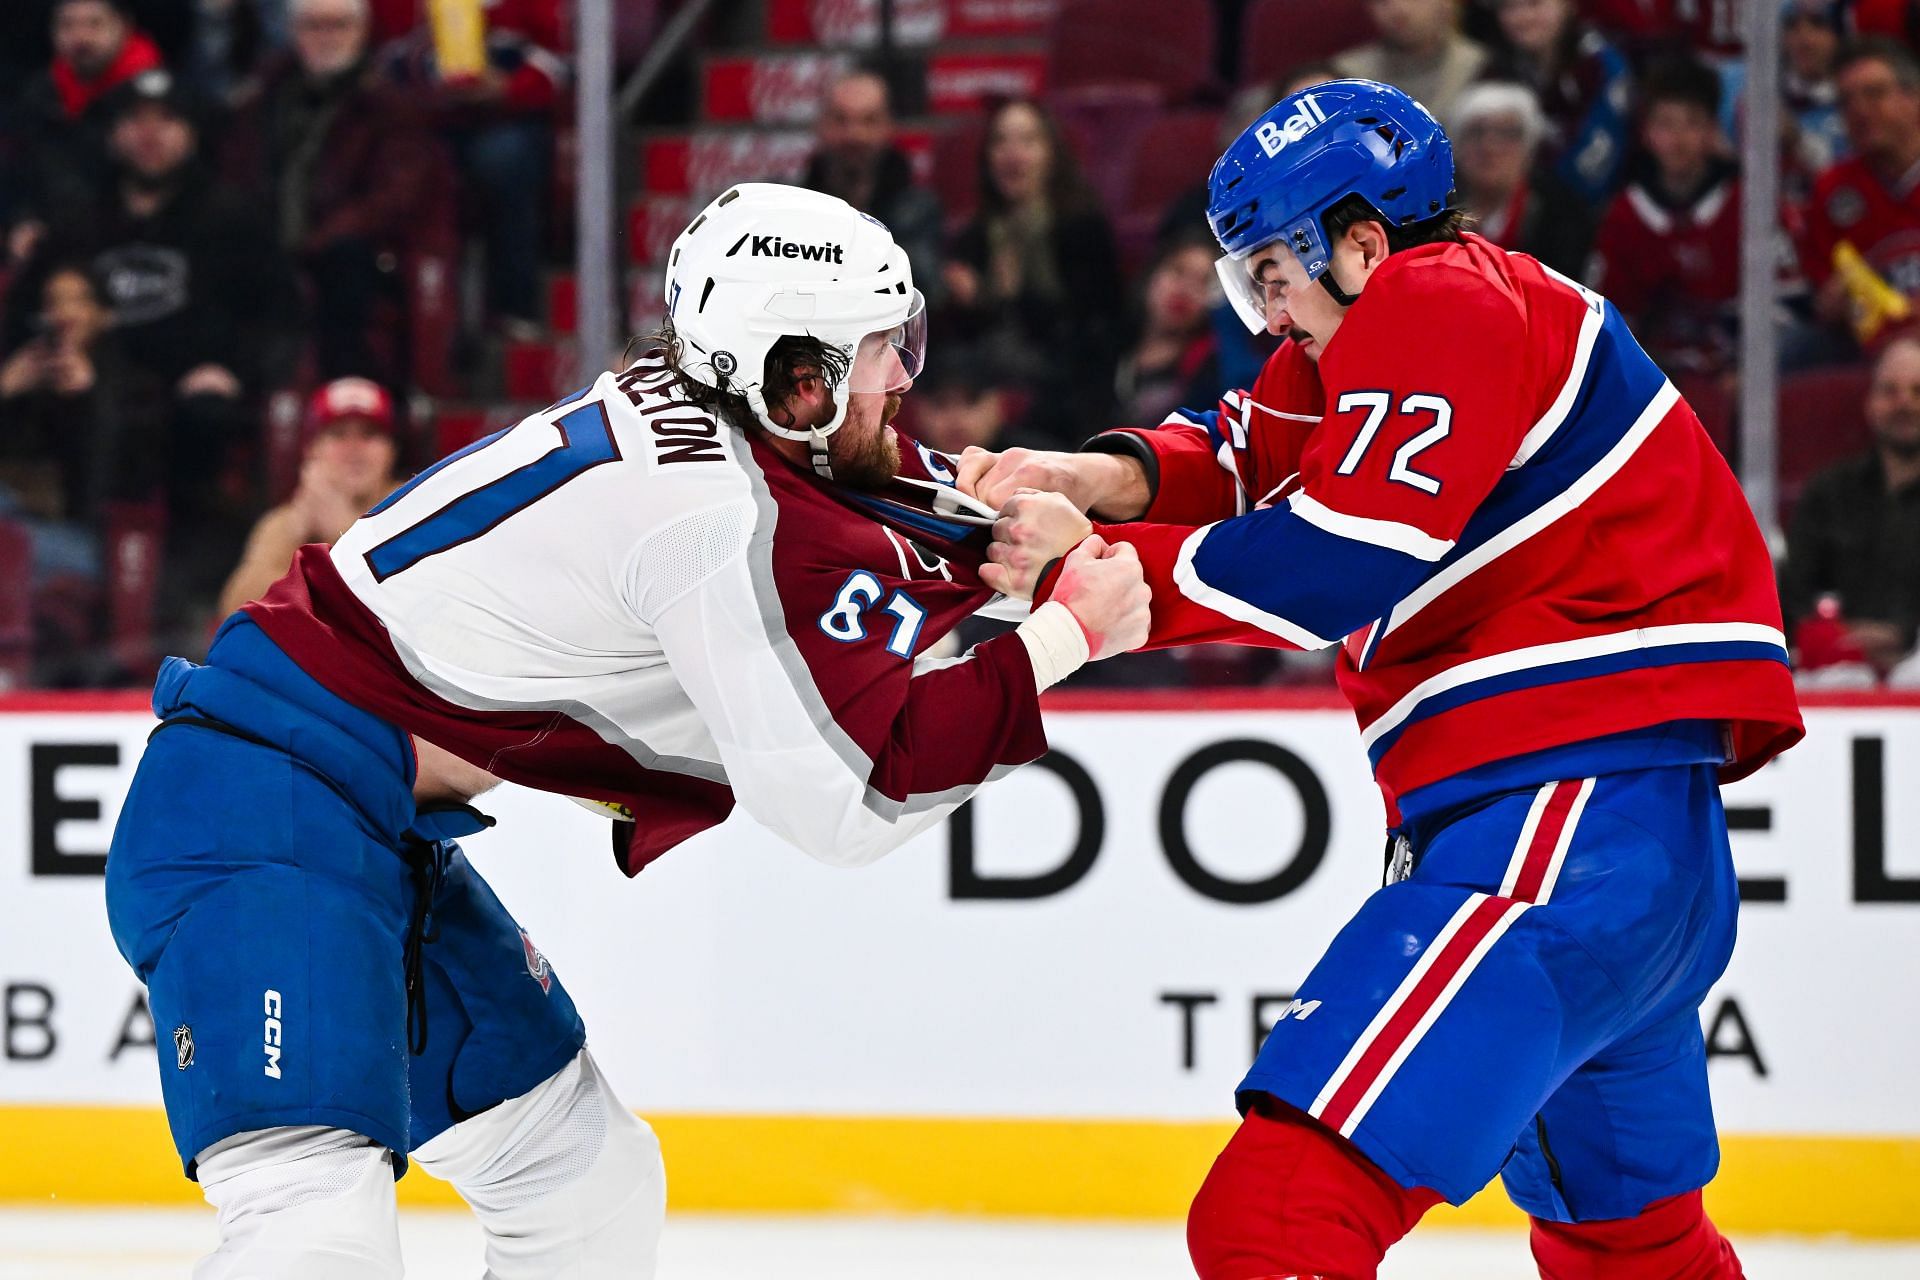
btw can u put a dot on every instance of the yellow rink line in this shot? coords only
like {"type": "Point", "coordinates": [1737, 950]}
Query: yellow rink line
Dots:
{"type": "Point", "coordinates": [1110, 1169]}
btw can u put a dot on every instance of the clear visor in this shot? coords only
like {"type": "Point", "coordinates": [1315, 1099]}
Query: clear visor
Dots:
{"type": "Point", "coordinates": [1252, 301]}
{"type": "Point", "coordinates": [1249, 299]}
{"type": "Point", "coordinates": [887, 361]}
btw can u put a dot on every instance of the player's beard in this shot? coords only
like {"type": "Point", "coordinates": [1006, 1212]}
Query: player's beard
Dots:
{"type": "Point", "coordinates": [870, 461]}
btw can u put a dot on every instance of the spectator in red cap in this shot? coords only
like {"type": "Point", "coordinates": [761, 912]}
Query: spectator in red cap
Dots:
{"type": "Point", "coordinates": [348, 458]}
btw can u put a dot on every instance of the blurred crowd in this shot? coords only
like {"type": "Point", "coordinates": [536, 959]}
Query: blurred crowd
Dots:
{"type": "Point", "coordinates": [212, 207]}
{"type": "Point", "coordinates": [208, 204]}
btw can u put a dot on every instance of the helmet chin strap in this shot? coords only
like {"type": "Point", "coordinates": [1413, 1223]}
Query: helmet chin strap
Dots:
{"type": "Point", "coordinates": [1334, 290]}
{"type": "Point", "coordinates": [815, 438]}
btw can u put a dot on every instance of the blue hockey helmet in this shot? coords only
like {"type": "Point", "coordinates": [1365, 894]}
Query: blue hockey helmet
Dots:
{"type": "Point", "coordinates": [1303, 157]}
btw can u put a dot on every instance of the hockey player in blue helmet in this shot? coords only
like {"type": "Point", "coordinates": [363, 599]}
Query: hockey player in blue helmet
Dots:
{"type": "Point", "coordinates": [1557, 625]}
{"type": "Point", "coordinates": [1335, 157]}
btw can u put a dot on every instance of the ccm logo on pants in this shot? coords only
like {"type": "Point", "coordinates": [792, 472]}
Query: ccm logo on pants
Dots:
{"type": "Point", "coordinates": [272, 1035]}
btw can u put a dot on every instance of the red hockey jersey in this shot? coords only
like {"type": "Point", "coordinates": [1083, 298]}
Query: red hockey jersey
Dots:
{"type": "Point", "coordinates": [1851, 202]}
{"type": "Point", "coordinates": [1488, 489]}
{"type": "Point", "coordinates": [1675, 272]}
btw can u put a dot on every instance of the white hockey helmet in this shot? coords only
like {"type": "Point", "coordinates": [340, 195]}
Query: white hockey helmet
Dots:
{"type": "Point", "coordinates": [766, 261]}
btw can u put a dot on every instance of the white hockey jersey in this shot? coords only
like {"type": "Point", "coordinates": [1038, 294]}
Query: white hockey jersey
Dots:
{"type": "Point", "coordinates": [622, 599]}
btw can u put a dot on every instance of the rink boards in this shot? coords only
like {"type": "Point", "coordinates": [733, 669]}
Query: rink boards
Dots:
{"type": "Point", "coordinates": [1041, 1008]}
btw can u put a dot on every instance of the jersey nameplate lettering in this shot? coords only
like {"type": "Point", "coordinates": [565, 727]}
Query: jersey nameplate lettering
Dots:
{"type": "Point", "coordinates": [688, 438]}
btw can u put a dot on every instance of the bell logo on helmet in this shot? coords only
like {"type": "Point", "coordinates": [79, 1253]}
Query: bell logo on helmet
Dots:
{"type": "Point", "coordinates": [1275, 137]}
{"type": "Point", "coordinates": [779, 247]}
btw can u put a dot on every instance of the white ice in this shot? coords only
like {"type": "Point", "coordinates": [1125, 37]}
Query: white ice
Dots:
{"type": "Point", "coordinates": [67, 1244]}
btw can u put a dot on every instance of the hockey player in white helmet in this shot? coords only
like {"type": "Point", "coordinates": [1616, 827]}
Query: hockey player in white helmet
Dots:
{"type": "Point", "coordinates": [711, 578]}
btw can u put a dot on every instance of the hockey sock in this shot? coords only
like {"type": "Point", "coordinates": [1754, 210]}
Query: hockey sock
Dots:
{"type": "Point", "coordinates": [567, 1183]}
{"type": "Point", "coordinates": [1671, 1239]}
{"type": "Point", "coordinates": [302, 1202]}
{"type": "Point", "coordinates": [1291, 1198]}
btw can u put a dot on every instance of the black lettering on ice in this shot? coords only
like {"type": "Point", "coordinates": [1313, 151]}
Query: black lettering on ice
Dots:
{"type": "Point", "coordinates": [1189, 1002]}
{"type": "Point", "coordinates": [1871, 880]}
{"type": "Point", "coordinates": [966, 882]}
{"type": "Point", "coordinates": [1728, 1036]}
{"type": "Point", "coordinates": [28, 1022]}
{"type": "Point", "coordinates": [50, 808]}
{"type": "Point", "coordinates": [136, 1028]}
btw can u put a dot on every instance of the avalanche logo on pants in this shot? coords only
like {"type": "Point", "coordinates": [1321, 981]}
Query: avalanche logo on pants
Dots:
{"type": "Point", "coordinates": [537, 967]}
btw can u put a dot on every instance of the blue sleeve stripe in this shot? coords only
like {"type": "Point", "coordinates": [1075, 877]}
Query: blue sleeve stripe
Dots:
{"type": "Point", "coordinates": [1274, 570]}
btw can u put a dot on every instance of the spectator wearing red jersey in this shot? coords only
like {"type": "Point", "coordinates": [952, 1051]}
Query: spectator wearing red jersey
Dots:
{"type": "Point", "coordinates": [1421, 51]}
{"type": "Point", "coordinates": [1668, 253]}
{"type": "Point", "coordinates": [1710, 28]}
{"type": "Point", "coordinates": [1870, 201]}
{"type": "Point", "coordinates": [60, 154]}
{"type": "Point", "coordinates": [498, 121]}
{"type": "Point", "coordinates": [1518, 201]}
{"type": "Point", "coordinates": [354, 176]}
{"type": "Point", "coordinates": [348, 452]}
{"type": "Point", "coordinates": [1584, 85]}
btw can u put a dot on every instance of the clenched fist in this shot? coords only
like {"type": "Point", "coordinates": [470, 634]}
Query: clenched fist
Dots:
{"type": "Point", "coordinates": [1103, 587]}
{"type": "Point", "coordinates": [1033, 530]}
{"type": "Point", "coordinates": [1116, 486]}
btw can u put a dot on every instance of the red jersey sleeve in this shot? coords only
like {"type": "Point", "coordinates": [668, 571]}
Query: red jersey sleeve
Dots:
{"type": "Point", "coordinates": [1425, 399]}
{"type": "Point", "coordinates": [1210, 464]}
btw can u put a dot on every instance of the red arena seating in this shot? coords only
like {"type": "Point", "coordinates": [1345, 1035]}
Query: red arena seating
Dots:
{"type": "Point", "coordinates": [1132, 41]}
{"type": "Point", "coordinates": [1278, 35]}
{"type": "Point", "coordinates": [16, 605]}
{"type": "Point", "coordinates": [1822, 421]}
{"type": "Point", "coordinates": [956, 169]}
{"type": "Point", "coordinates": [1175, 152]}
{"type": "Point", "coordinates": [1711, 401]}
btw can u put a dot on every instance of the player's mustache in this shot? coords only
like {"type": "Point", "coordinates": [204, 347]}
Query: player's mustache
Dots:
{"type": "Point", "coordinates": [887, 413]}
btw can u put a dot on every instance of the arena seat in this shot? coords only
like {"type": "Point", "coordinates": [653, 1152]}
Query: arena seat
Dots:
{"type": "Point", "coordinates": [1822, 421]}
{"type": "Point", "coordinates": [956, 169]}
{"type": "Point", "coordinates": [135, 541]}
{"type": "Point", "coordinates": [1106, 124]}
{"type": "Point", "coordinates": [1711, 401]}
{"type": "Point", "coordinates": [16, 605]}
{"type": "Point", "coordinates": [1169, 46]}
{"type": "Point", "coordinates": [1278, 35]}
{"type": "Point", "coordinates": [1174, 153]}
